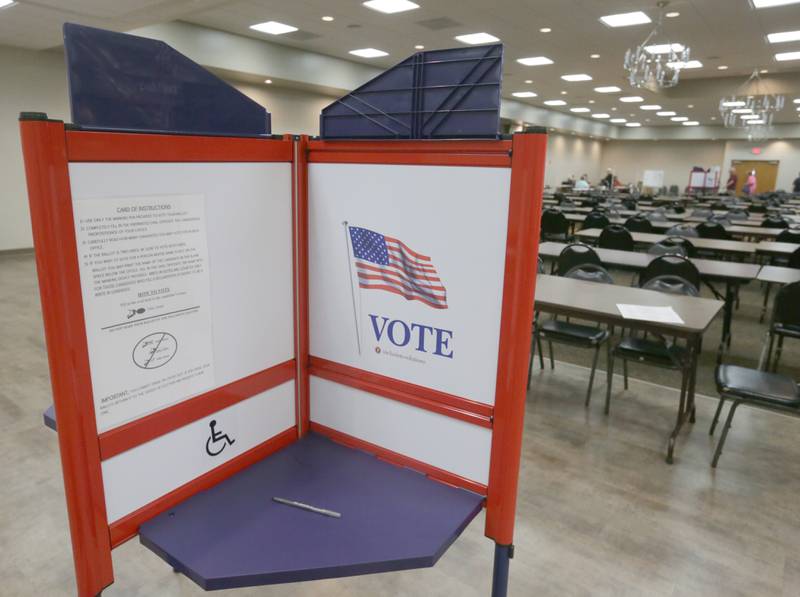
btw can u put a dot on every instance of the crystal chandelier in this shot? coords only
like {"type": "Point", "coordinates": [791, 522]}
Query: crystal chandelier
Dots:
{"type": "Point", "coordinates": [752, 107]}
{"type": "Point", "coordinates": [656, 64]}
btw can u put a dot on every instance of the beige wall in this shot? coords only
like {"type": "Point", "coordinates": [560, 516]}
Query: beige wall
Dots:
{"type": "Point", "coordinates": [568, 155]}
{"type": "Point", "coordinates": [292, 111]}
{"type": "Point", "coordinates": [629, 159]}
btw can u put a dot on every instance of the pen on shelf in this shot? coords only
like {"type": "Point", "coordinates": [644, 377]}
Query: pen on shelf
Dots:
{"type": "Point", "coordinates": [307, 507]}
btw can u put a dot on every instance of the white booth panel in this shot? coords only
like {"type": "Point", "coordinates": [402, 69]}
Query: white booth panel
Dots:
{"type": "Point", "coordinates": [438, 440]}
{"type": "Point", "coordinates": [457, 218]}
{"type": "Point", "coordinates": [145, 473]}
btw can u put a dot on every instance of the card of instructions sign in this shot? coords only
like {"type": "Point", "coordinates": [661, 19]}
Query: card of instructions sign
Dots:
{"type": "Point", "coordinates": [145, 285]}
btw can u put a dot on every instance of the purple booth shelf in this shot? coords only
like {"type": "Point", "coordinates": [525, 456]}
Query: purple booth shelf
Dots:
{"type": "Point", "coordinates": [234, 535]}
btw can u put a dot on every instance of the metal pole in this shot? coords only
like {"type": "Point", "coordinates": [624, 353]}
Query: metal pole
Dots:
{"type": "Point", "coordinates": [352, 292]}
{"type": "Point", "coordinates": [502, 559]}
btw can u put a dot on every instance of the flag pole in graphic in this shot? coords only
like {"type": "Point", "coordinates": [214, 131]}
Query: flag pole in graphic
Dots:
{"type": "Point", "coordinates": [352, 292]}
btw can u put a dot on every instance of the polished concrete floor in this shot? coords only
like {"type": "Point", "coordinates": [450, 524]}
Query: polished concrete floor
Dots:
{"type": "Point", "coordinates": [600, 513]}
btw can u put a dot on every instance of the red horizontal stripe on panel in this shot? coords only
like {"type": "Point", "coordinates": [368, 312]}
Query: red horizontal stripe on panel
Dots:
{"type": "Point", "coordinates": [128, 526]}
{"type": "Point", "coordinates": [87, 146]}
{"type": "Point", "coordinates": [393, 270]}
{"type": "Point", "coordinates": [403, 391]}
{"type": "Point", "coordinates": [147, 428]}
{"type": "Point", "coordinates": [406, 248]}
{"type": "Point", "coordinates": [397, 459]}
{"type": "Point", "coordinates": [405, 295]}
{"type": "Point", "coordinates": [426, 291]}
{"type": "Point", "coordinates": [404, 261]}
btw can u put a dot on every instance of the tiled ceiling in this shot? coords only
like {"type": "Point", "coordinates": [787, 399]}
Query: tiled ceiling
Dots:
{"type": "Point", "coordinates": [719, 32]}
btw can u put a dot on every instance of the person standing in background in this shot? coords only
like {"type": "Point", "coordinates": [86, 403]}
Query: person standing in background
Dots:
{"type": "Point", "coordinates": [608, 181]}
{"type": "Point", "coordinates": [796, 185]}
{"type": "Point", "coordinates": [733, 180]}
{"type": "Point", "coordinates": [751, 184]}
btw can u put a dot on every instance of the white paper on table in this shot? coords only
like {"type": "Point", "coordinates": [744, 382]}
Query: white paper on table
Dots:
{"type": "Point", "coordinates": [647, 313]}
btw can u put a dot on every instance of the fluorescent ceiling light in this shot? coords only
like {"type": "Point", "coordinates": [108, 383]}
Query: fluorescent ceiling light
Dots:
{"type": "Point", "coordinates": [524, 94]}
{"type": "Point", "coordinates": [626, 19]}
{"type": "Point", "coordinates": [609, 89]}
{"type": "Point", "coordinates": [369, 53]}
{"type": "Point", "coordinates": [419, 47]}
{"type": "Point", "coordinates": [733, 104]}
{"type": "Point", "coordinates": [327, 19]}
{"type": "Point", "coordinates": [7, 3]}
{"type": "Point", "coordinates": [594, 56]}
{"type": "Point", "coordinates": [690, 123]}
{"type": "Point", "coordinates": [477, 38]}
{"type": "Point", "coordinates": [390, 6]}
{"type": "Point", "coordinates": [685, 65]}
{"type": "Point", "coordinates": [273, 28]}
{"type": "Point", "coordinates": [652, 107]}
{"type": "Point", "coordinates": [584, 110]}
{"type": "Point", "coordinates": [672, 15]}
{"type": "Point", "coordinates": [535, 61]}
{"type": "Point", "coordinates": [722, 67]}
{"type": "Point", "coordinates": [633, 124]}
{"type": "Point", "coordinates": [618, 120]}
{"type": "Point", "coordinates": [797, 101]}
{"type": "Point", "coordinates": [759, 121]}
{"type": "Point", "coordinates": [741, 111]}
{"type": "Point", "coordinates": [601, 116]}
{"type": "Point", "coordinates": [750, 117]}
{"type": "Point", "coordinates": [545, 30]}
{"type": "Point", "coordinates": [666, 113]}
{"type": "Point", "coordinates": [783, 37]}
{"type": "Point", "coordinates": [771, 3]}
{"type": "Point", "coordinates": [787, 56]}
{"type": "Point", "coordinates": [679, 119]}
{"type": "Point", "coordinates": [664, 48]}
{"type": "Point", "coordinates": [576, 78]}
{"type": "Point", "coordinates": [631, 99]}
{"type": "Point", "coordinates": [555, 103]}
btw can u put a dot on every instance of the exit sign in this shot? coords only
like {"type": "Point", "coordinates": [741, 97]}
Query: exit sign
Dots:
{"type": "Point", "coordinates": [756, 151]}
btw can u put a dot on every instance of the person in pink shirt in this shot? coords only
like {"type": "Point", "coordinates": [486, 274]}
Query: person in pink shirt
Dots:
{"type": "Point", "coordinates": [750, 185]}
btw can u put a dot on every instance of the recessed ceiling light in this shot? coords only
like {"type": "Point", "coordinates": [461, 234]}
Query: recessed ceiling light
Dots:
{"type": "Point", "coordinates": [273, 28]}
{"type": "Point", "coordinates": [601, 116]}
{"type": "Point", "coordinates": [477, 38]}
{"type": "Point", "coordinates": [713, 118]}
{"type": "Point", "coordinates": [796, 101]}
{"type": "Point", "coordinates": [631, 99]}
{"type": "Point", "coordinates": [618, 120]}
{"type": "Point", "coordinates": [583, 110]}
{"type": "Point", "coordinates": [690, 106]}
{"type": "Point", "coordinates": [673, 14]}
{"type": "Point", "coordinates": [327, 19]}
{"type": "Point", "coordinates": [555, 103]}
{"type": "Point", "coordinates": [784, 56]}
{"type": "Point", "coordinates": [626, 19]}
{"type": "Point", "coordinates": [594, 56]}
{"type": "Point", "coordinates": [722, 67]}
{"type": "Point", "coordinates": [419, 47]}
{"type": "Point", "coordinates": [591, 101]}
{"type": "Point", "coordinates": [783, 37]}
{"type": "Point", "coordinates": [733, 104]}
{"type": "Point", "coordinates": [608, 89]}
{"type": "Point", "coordinates": [369, 53]}
{"type": "Point", "coordinates": [268, 81]}
{"type": "Point", "coordinates": [763, 71]}
{"type": "Point", "coordinates": [545, 30]}
{"type": "Point", "coordinates": [679, 119]}
{"type": "Point", "coordinates": [524, 94]}
{"type": "Point", "coordinates": [741, 111]}
{"type": "Point", "coordinates": [576, 78]}
{"type": "Point", "coordinates": [652, 107]}
{"type": "Point", "coordinates": [664, 48]}
{"type": "Point", "coordinates": [665, 113]}
{"type": "Point", "coordinates": [633, 124]}
{"type": "Point", "coordinates": [771, 3]}
{"type": "Point", "coordinates": [529, 81]}
{"type": "Point", "coordinates": [535, 61]}
{"type": "Point", "coordinates": [690, 123]}
{"type": "Point", "coordinates": [685, 65]}
{"type": "Point", "coordinates": [613, 108]}
{"type": "Point", "coordinates": [390, 6]}
{"type": "Point", "coordinates": [563, 93]}
{"type": "Point", "coordinates": [750, 117]}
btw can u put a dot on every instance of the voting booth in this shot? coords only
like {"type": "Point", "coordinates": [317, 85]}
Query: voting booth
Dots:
{"type": "Point", "coordinates": [279, 359]}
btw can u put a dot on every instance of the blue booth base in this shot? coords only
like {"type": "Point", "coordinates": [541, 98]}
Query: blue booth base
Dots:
{"type": "Point", "coordinates": [235, 535]}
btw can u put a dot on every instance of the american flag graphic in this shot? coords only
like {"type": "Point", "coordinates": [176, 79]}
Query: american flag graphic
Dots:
{"type": "Point", "coordinates": [385, 263]}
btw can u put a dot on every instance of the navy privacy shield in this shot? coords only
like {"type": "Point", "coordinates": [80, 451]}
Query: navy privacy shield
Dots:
{"type": "Point", "coordinates": [128, 83]}
{"type": "Point", "coordinates": [437, 94]}
{"type": "Point", "coordinates": [234, 535]}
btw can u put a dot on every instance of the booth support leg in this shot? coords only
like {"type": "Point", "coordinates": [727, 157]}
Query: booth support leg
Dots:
{"type": "Point", "coordinates": [502, 559]}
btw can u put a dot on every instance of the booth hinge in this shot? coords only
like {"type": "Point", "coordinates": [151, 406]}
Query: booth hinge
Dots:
{"type": "Point", "coordinates": [510, 153]}
{"type": "Point", "coordinates": [511, 552]}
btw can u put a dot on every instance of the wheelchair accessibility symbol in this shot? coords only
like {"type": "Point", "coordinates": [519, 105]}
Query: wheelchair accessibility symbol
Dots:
{"type": "Point", "coordinates": [217, 442]}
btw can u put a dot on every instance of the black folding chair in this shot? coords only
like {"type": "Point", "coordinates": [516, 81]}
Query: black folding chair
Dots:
{"type": "Point", "coordinates": [683, 230]}
{"type": "Point", "coordinates": [673, 245]}
{"type": "Point", "coordinates": [555, 225]}
{"type": "Point", "coordinates": [573, 255]}
{"type": "Point", "coordinates": [616, 237]}
{"type": "Point", "coordinates": [740, 385]}
{"type": "Point", "coordinates": [595, 219]}
{"type": "Point", "coordinates": [737, 214]}
{"type": "Point", "coordinates": [572, 334]}
{"type": "Point", "coordinates": [713, 230]}
{"type": "Point", "coordinates": [785, 319]}
{"type": "Point", "coordinates": [789, 236]}
{"type": "Point", "coordinates": [639, 224]}
{"type": "Point", "coordinates": [774, 222]}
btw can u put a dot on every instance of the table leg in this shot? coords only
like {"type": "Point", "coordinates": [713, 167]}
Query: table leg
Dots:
{"type": "Point", "coordinates": [502, 559]}
{"type": "Point", "coordinates": [730, 296]}
{"type": "Point", "coordinates": [696, 351]}
{"type": "Point", "coordinates": [682, 406]}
